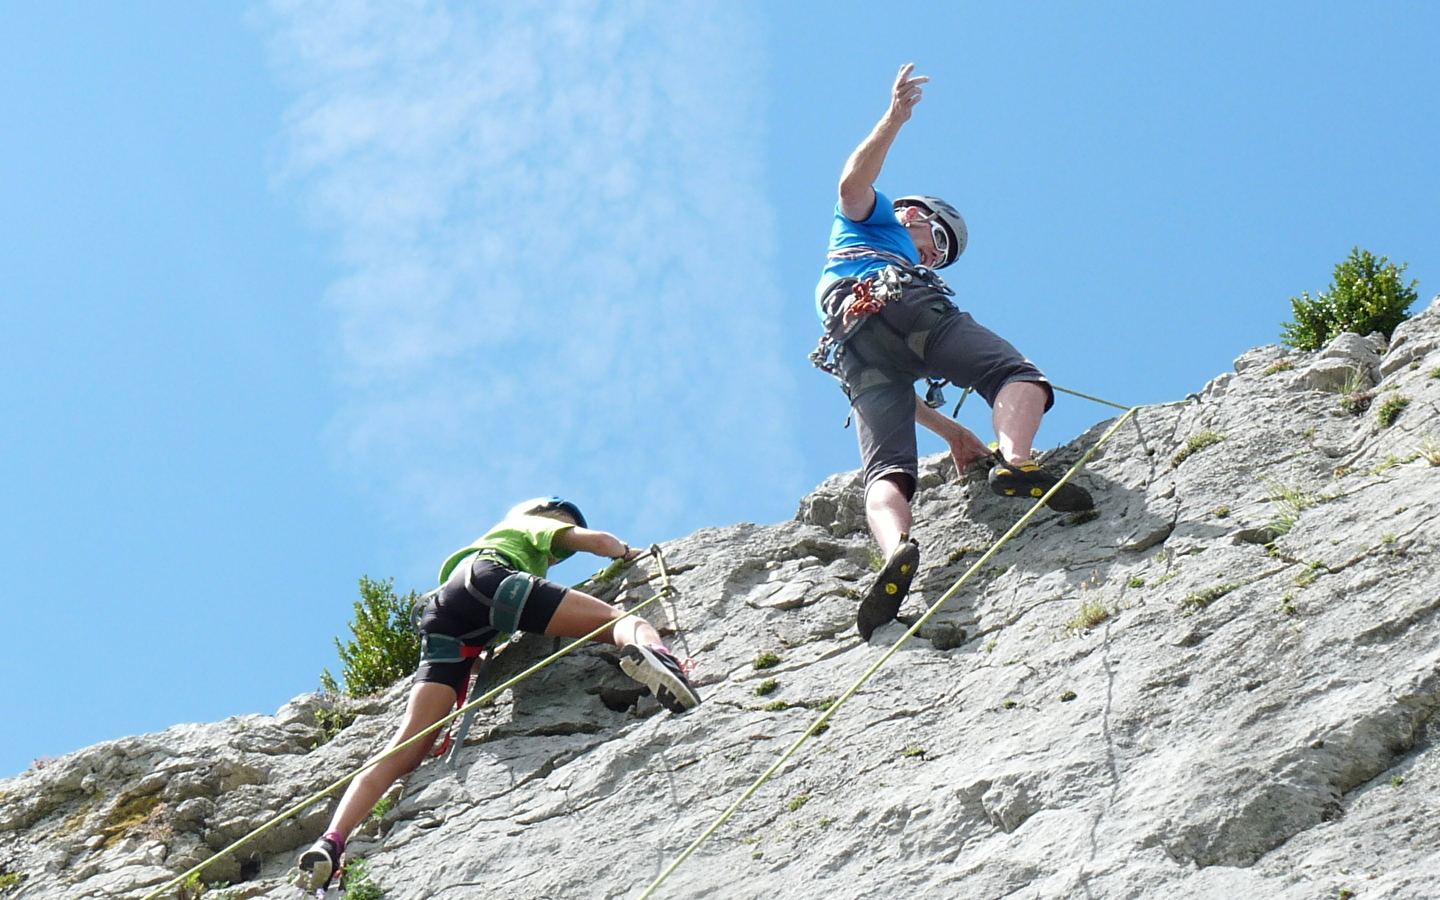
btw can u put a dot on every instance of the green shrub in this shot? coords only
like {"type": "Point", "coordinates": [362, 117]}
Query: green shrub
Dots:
{"type": "Point", "coordinates": [1367, 295]}
{"type": "Point", "coordinates": [385, 648]}
{"type": "Point", "coordinates": [767, 686]}
{"type": "Point", "coordinates": [1390, 409]}
{"type": "Point", "coordinates": [766, 660]}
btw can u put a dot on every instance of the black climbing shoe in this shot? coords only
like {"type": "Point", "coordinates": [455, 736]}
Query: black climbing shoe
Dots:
{"type": "Point", "coordinates": [659, 670]}
{"type": "Point", "coordinates": [1027, 479]}
{"type": "Point", "coordinates": [891, 585]}
{"type": "Point", "coordinates": [317, 866]}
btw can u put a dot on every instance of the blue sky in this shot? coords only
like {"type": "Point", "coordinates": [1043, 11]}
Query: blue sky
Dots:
{"type": "Point", "coordinates": [293, 292]}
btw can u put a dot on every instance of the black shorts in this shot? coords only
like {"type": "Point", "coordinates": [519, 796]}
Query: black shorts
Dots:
{"type": "Point", "coordinates": [960, 350]}
{"type": "Point", "coordinates": [458, 612]}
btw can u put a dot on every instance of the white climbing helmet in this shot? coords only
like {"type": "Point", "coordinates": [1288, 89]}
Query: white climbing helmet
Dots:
{"type": "Point", "coordinates": [948, 216]}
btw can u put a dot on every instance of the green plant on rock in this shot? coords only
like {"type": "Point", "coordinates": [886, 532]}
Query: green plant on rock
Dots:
{"type": "Point", "coordinates": [766, 660]}
{"type": "Point", "coordinates": [385, 647]}
{"type": "Point", "coordinates": [1206, 596]}
{"type": "Point", "coordinates": [798, 801]}
{"type": "Point", "coordinates": [1429, 450]}
{"type": "Point", "coordinates": [331, 722]}
{"type": "Point", "coordinates": [1278, 366]}
{"type": "Point", "coordinates": [1194, 444]}
{"type": "Point", "coordinates": [1135, 582]}
{"type": "Point", "coordinates": [359, 884]}
{"type": "Point", "coordinates": [767, 686]}
{"type": "Point", "coordinates": [1367, 295]}
{"type": "Point", "coordinates": [1288, 502]}
{"type": "Point", "coordinates": [1390, 409]}
{"type": "Point", "coordinates": [1092, 613]}
{"type": "Point", "coordinates": [11, 881]}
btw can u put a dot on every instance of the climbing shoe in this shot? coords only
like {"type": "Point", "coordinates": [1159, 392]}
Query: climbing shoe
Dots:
{"type": "Point", "coordinates": [1027, 479]}
{"type": "Point", "coordinates": [890, 587]}
{"type": "Point", "coordinates": [658, 669]}
{"type": "Point", "coordinates": [317, 866]}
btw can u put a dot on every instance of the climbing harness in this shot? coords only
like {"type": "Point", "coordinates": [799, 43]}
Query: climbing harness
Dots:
{"type": "Point", "coordinates": [886, 348]}
{"type": "Point", "coordinates": [665, 590]}
{"type": "Point", "coordinates": [830, 711]}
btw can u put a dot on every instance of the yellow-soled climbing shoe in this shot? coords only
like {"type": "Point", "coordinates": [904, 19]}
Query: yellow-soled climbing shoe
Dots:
{"type": "Point", "coordinates": [883, 601]}
{"type": "Point", "coordinates": [1029, 481]}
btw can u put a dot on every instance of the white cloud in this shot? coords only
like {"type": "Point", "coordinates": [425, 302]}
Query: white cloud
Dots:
{"type": "Point", "coordinates": [556, 248]}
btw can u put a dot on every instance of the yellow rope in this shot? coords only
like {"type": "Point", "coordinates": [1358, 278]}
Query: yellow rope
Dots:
{"type": "Point", "coordinates": [935, 607]}
{"type": "Point", "coordinates": [665, 590]}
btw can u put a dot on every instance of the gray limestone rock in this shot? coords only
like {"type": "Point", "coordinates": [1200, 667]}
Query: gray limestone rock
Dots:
{"type": "Point", "coordinates": [1224, 685]}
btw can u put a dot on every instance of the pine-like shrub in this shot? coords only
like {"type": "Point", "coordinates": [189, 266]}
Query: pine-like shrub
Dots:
{"type": "Point", "coordinates": [1367, 295]}
{"type": "Point", "coordinates": [385, 647]}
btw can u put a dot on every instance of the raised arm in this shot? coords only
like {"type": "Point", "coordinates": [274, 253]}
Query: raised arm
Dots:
{"type": "Point", "coordinates": [857, 182]}
{"type": "Point", "coordinates": [600, 543]}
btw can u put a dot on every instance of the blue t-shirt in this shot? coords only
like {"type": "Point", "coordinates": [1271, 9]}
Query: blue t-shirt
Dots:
{"type": "Point", "coordinates": [882, 231]}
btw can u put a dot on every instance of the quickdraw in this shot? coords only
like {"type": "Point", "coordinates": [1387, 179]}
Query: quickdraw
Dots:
{"type": "Point", "coordinates": [865, 302]}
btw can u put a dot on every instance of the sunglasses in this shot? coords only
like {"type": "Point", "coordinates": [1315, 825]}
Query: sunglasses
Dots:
{"type": "Point", "coordinates": [938, 234]}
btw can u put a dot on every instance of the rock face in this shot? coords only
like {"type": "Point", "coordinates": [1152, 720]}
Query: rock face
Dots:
{"type": "Point", "coordinates": [1223, 686]}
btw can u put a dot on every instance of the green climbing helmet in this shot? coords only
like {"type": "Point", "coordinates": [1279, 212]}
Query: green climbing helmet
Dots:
{"type": "Point", "coordinates": [949, 218]}
{"type": "Point", "coordinates": [548, 504]}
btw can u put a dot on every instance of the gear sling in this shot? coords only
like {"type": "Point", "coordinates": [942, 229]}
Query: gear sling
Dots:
{"type": "Point", "coordinates": [877, 328]}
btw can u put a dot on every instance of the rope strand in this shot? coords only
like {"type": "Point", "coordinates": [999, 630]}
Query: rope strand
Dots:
{"type": "Point", "coordinates": [859, 682]}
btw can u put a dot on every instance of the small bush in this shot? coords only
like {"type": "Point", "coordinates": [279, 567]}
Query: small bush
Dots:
{"type": "Point", "coordinates": [1278, 366]}
{"type": "Point", "coordinates": [1195, 444]}
{"type": "Point", "coordinates": [1067, 696]}
{"type": "Point", "coordinates": [1367, 295]}
{"type": "Point", "coordinates": [1390, 409]}
{"type": "Point", "coordinates": [776, 706]}
{"type": "Point", "coordinates": [1135, 582]}
{"type": "Point", "coordinates": [1221, 512]}
{"type": "Point", "coordinates": [385, 647]}
{"type": "Point", "coordinates": [1429, 449]}
{"type": "Point", "coordinates": [767, 686]}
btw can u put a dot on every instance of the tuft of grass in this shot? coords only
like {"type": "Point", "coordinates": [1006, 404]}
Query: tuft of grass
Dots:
{"type": "Point", "coordinates": [1092, 613]}
{"type": "Point", "coordinates": [1067, 696]}
{"type": "Point", "coordinates": [1279, 365]}
{"type": "Point", "coordinates": [1288, 503]}
{"type": "Point", "coordinates": [798, 801]}
{"type": "Point", "coordinates": [1010, 704]}
{"type": "Point", "coordinates": [1221, 512]}
{"type": "Point", "coordinates": [1135, 582]}
{"type": "Point", "coordinates": [359, 884]}
{"type": "Point", "coordinates": [1195, 444]}
{"type": "Point", "coordinates": [1397, 781]}
{"type": "Point", "coordinates": [1435, 372]}
{"type": "Point", "coordinates": [776, 706]}
{"type": "Point", "coordinates": [912, 751]}
{"type": "Point", "coordinates": [1429, 450]}
{"type": "Point", "coordinates": [767, 686]}
{"type": "Point", "coordinates": [331, 722]}
{"type": "Point", "coordinates": [877, 560]}
{"type": "Point", "coordinates": [382, 806]}
{"type": "Point", "coordinates": [1206, 596]}
{"type": "Point", "coordinates": [1390, 409]}
{"type": "Point", "coordinates": [11, 881]}
{"type": "Point", "coordinates": [1083, 516]}
{"type": "Point", "coordinates": [766, 660]}
{"type": "Point", "coordinates": [960, 553]}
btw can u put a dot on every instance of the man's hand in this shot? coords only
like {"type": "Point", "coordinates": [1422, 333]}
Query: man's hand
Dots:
{"type": "Point", "coordinates": [857, 181]}
{"type": "Point", "coordinates": [906, 93]}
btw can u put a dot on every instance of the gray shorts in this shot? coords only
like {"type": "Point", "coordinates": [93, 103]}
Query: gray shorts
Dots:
{"type": "Point", "coordinates": [961, 351]}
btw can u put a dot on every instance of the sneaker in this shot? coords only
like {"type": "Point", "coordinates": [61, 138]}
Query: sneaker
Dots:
{"type": "Point", "coordinates": [317, 866]}
{"type": "Point", "coordinates": [1027, 479]}
{"type": "Point", "coordinates": [658, 669]}
{"type": "Point", "coordinates": [883, 601]}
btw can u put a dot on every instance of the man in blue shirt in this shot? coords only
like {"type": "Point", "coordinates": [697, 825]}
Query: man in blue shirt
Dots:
{"type": "Point", "coordinates": [889, 320]}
